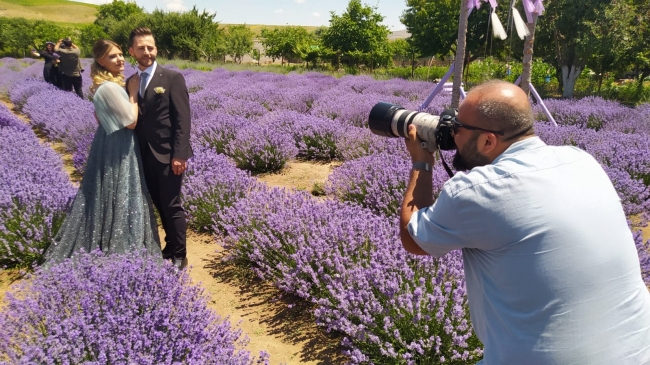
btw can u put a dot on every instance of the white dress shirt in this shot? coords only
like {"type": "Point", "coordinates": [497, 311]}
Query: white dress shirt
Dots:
{"type": "Point", "coordinates": [150, 71]}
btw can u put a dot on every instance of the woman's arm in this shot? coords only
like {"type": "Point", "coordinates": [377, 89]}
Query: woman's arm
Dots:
{"type": "Point", "coordinates": [114, 108]}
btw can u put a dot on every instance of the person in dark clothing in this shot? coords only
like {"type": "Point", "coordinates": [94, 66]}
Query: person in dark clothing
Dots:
{"type": "Point", "coordinates": [50, 72]}
{"type": "Point", "coordinates": [70, 65]}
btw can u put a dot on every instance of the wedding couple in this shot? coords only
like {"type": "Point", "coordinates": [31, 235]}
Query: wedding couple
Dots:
{"type": "Point", "coordinates": [138, 156]}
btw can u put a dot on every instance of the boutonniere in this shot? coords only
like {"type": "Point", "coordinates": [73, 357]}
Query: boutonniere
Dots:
{"type": "Point", "coordinates": [159, 90]}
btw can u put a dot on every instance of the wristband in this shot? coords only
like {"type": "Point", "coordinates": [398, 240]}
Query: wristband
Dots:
{"type": "Point", "coordinates": [419, 166]}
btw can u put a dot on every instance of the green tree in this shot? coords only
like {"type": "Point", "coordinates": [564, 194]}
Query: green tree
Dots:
{"type": "Point", "coordinates": [119, 32]}
{"type": "Point", "coordinates": [239, 41]}
{"type": "Point", "coordinates": [286, 43]}
{"type": "Point", "coordinates": [433, 25]}
{"type": "Point", "coordinates": [640, 51]}
{"type": "Point", "coordinates": [90, 34]}
{"type": "Point", "coordinates": [20, 35]}
{"type": "Point", "coordinates": [357, 36]}
{"type": "Point", "coordinates": [612, 33]}
{"type": "Point", "coordinates": [256, 54]}
{"type": "Point", "coordinates": [565, 37]}
{"type": "Point", "coordinates": [118, 10]}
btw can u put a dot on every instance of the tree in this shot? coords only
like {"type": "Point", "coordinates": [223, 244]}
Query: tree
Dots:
{"type": "Point", "coordinates": [212, 46]}
{"type": "Point", "coordinates": [256, 55]}
{"type": "Point", "coordinates": [357, 35]}
{"type": "Point", "coordinates": [565, 37]}
{"type": "Point", "coordinates": [284, 43]}
{"type": "Point", "coordinates": [433, 25]}
{"type": "Point", "coordinates": [20, 35]}
{"type": "Point", "coordinates": [640, 52]}
{"type": "Point", "coordinates": [90, 34]}
{"type": "Point", "coordinates": [612, 34]}
{"type": "Point", "coordinates": [118, 10]}
{"type": "Point", "coordinates": [239, 41]}
{"type": "Point", "coordinates": [120, 31]}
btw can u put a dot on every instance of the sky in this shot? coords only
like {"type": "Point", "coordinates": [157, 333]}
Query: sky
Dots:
{"type": "Point", "coordinates": [275, 12]}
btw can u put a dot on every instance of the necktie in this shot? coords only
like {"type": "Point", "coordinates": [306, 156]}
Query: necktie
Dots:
{"type": "Point", "coordinates": [143, 82]}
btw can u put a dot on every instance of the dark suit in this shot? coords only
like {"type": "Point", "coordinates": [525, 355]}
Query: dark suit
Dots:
{"type": "Point", "coordinates": [163, 133]}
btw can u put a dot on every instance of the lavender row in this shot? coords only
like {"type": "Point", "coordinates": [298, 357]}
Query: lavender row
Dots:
{"type": "Point", "coordinates": [35, 193]}
{"type": "Point", "coordinates": [390, 306]}
{"type": "Point", "coordinates": [123, 310]}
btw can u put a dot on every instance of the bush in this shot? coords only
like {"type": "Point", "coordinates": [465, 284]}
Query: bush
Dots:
{"type": "Point", "coordinates": [118, 309]}
{"type": "Point", "coordinates": [315, 137]}
{"type": "Point", "coordinates": [261, 148]}
{"type": "Point", "coordinates": [392, 307]}
{"type": "Point", "coordinates": [34, 195]}
{"type": "Point", "coordinates": [212, 183]}
{"type": "Point", "coordinates": [377, 182]}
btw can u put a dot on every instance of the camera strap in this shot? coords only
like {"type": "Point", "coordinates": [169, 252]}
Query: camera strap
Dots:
{"type": "Point", "coordinates": [444, 164]}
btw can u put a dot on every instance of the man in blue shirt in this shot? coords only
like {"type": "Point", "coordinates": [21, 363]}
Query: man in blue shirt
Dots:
{"type": "Point", "coordinates": [552, 272]}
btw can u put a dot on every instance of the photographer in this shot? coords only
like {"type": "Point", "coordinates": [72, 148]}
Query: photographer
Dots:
{"type": "Point", "coordinates": [552, 272]}
{"type": "Point", "coordinates": [51, 61]}
{"type": "Point", "coordinates": [69, 66]}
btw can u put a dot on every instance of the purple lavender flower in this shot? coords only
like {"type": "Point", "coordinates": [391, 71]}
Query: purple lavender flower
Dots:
{"type": "Point", "coordinates": [212, 183]}
{"type": "Point", "coordinates": [116, 309]}
{"type": "Point", "coordinates": [35, 193]}
{"type": "Point", "coordinates": [261, 148]}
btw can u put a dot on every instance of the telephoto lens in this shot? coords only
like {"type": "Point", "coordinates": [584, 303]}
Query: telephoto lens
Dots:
{"type": "Point", "coordinates": [391, 120]}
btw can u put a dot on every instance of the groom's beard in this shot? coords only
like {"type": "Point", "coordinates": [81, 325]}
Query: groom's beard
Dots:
{"type": "Point", "coordinates": [470, 157]}
{"type": "Point", "coordinates": [143, 62]}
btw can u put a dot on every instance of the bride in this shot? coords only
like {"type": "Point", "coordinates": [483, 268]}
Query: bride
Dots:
{"type": "Point", "coordinates": [112, 210]}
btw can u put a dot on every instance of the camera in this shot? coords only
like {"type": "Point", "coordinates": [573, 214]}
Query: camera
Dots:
{"type": "Point", "coordinates": [434, 132]}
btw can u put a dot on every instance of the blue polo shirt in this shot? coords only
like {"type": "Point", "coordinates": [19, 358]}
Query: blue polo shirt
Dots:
{"type": "Point", "coordinates": [553, 275]}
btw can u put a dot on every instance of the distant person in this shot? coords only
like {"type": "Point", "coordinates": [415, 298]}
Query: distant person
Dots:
{"type": "Point", "coordinates": [50, 72]}
{"type": "Point", "coordinates": [112, 210]}
{"type": "Point", "coordinates": [69, 65]}
{"type": "Point", "coordinates": [163, 133]}
{"type": "Point", "coordinates": [551, 268]}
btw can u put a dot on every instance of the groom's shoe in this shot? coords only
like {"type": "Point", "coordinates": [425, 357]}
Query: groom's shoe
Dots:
{"type": "Point", "coordinates": [179, 263]}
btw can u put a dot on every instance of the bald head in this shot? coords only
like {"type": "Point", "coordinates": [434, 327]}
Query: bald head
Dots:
{"type": "Point", "coordinates": [502, 106]}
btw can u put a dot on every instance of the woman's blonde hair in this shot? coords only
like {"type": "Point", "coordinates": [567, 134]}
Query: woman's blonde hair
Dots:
{"type": "Point", "coordinates": [98, 73]}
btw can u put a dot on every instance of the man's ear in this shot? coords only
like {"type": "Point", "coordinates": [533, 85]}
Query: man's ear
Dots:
{"type": "Point", "coordinates": [131, 51]}
{"type": "Point", "coordinates": [487, 142]}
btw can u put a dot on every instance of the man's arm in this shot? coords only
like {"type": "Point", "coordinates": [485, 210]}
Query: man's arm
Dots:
{"type": "Point", "coordinates": [419, 191]}
{"type": "Point", "coordinates": [181, 123]}
{"type": "Point", "coordinates": [57, 46]}
{"type": "Point", "coordinates": [418, 195]}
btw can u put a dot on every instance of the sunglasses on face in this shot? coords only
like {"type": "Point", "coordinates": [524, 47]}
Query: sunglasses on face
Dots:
{"type": "Point", "coordinates": [456, 125]}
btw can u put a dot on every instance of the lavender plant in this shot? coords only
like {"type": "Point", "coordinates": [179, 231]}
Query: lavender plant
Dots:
{"type": "Point", "coordinates": [391, 307]}
{"type": "Point", "coordinates": [211, 184]}
{"type": "Point", "coordinates": [258, 148]}
{"type": "Point", "coordinates": [315, 137]}
{"type": "Point", "coordinates": [119, 309]}
{"type": "Point", "coordinates": [34, 196]}
{"type": "Point", "coordinates": [377, 182]}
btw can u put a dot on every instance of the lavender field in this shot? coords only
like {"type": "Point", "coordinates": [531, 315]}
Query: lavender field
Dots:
{"type": "Point", "coordinates": [341, 253]}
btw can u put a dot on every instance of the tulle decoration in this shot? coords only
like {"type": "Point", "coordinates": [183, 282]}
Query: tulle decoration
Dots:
{"type": "Point", "coordinates": [522, 29]}
{"type": "Point", "coordinates": [497, 27]}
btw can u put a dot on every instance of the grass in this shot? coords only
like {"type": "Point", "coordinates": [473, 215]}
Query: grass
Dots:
{"type": "Point", "coordinates": [46, 2]}
{"type": "Point", "coordinates": [59, 11]}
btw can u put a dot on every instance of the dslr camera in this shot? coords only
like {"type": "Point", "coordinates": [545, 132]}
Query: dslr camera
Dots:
{"type": "Point", "coordinates": [433, 131]}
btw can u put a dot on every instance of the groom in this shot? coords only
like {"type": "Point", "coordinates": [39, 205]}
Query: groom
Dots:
{"type": "Point", "coordinates": [163, 133]}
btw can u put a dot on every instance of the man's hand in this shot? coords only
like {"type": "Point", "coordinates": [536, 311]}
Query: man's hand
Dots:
{"type": "Point", "coordinates": [178, 166]}
{"type": "Point", "coordinates": [418, 154]}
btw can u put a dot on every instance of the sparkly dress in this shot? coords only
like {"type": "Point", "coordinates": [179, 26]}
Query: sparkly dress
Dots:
{"type": "Point", "coordinates": [112, 210]}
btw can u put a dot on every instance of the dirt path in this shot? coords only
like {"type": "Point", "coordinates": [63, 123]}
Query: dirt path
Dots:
{"type": "Point", "coordinates": [289, 335]}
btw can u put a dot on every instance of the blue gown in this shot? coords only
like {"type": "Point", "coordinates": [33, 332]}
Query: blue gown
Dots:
{"type": "Point", "coordinates": [112, 210]}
